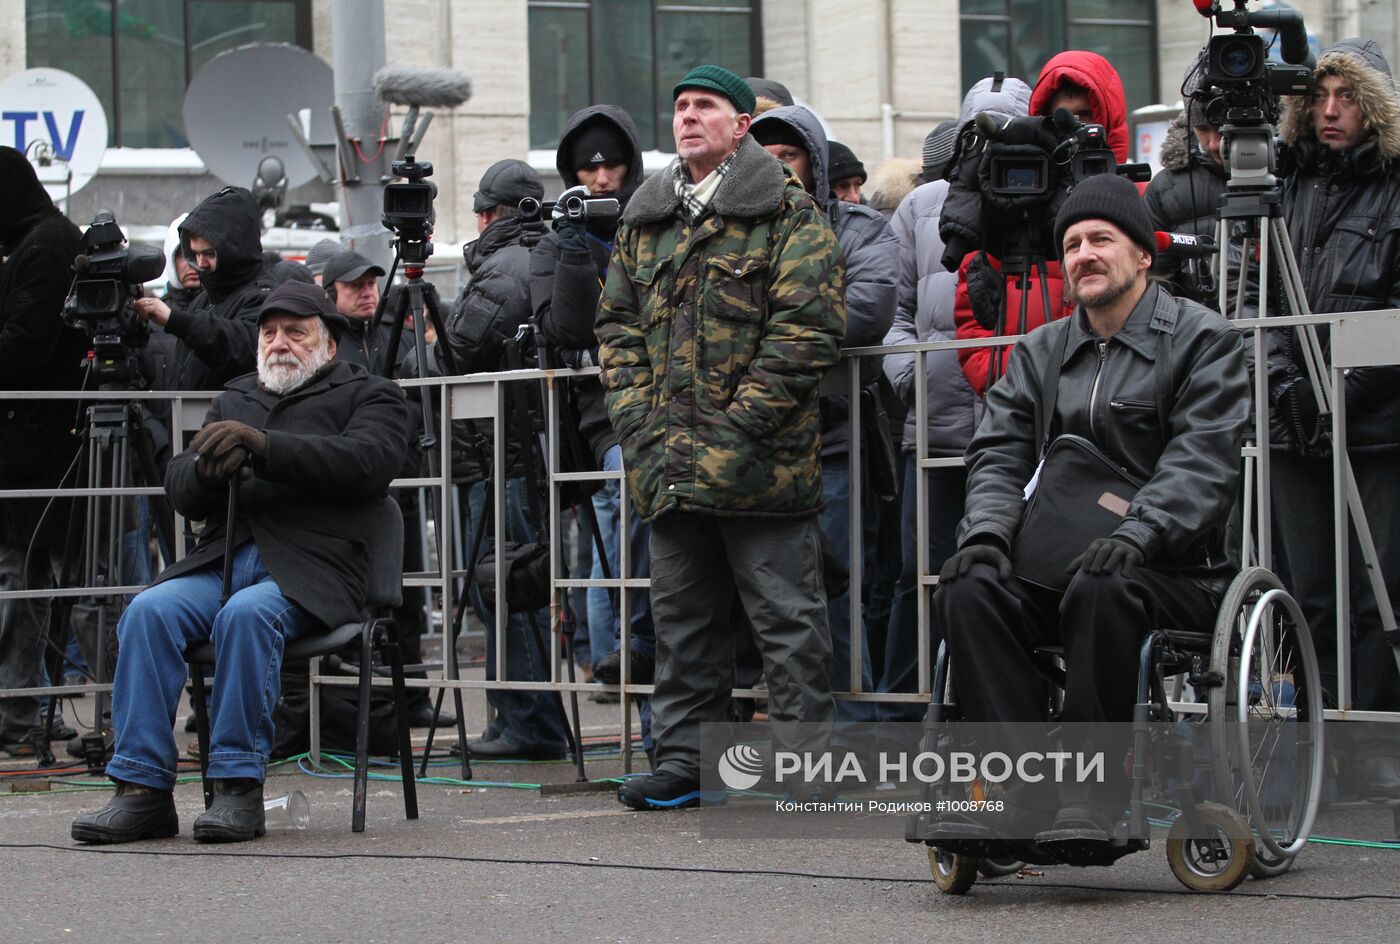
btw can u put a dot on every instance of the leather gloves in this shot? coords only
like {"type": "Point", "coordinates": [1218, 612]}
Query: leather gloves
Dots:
{"type": "Point", "coordinates": [1105, 555]}
{"type": "Point", "coordinates": [224, 447]}
{"type": "Point", "coordinates": [960, 563]}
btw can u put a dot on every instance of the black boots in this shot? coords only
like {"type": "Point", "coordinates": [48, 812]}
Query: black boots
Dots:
{"type": "Point", "coordinates": [136, 812]}
{"type": "Point", "coordinates": [236, 814]}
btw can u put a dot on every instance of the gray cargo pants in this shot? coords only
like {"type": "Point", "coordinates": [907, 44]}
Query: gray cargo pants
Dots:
{"type": "Point", "coordinates": [698, 564]}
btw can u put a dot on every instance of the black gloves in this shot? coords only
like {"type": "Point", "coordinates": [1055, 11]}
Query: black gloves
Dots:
{"type": "Point", "coordinates": [1105, 555]}
{"type": "Point", "coordinates": [986, 293]}
{"type": "Point", "coordinates": [976, 553]}
{"type": "Point", "coordinates": [223, 448]}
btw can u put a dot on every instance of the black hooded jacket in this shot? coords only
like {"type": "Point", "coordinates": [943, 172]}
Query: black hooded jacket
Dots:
{"type": "Point", "coordinates": [37, 351]}
{"type": "Point", "coordinates": [564, 286]}
{"type": "Point", "coordinates": [1185, 198]}
{"type": "Point", "coordinates": [1343, 213]}
{"type": "Point", "coordinates": [214, 338]}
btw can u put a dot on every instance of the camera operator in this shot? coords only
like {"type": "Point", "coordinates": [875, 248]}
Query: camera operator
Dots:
{"type": "Point", "coordinates": [1087, 86]}
{"type": "Point", "coordinates": [599, 155]}
{"type": "Point", "coordinates": [214, 338]}
{"type": "Point", "coordinates": [1185, 195]}
{"type": "Point", "coordinates": [486, 315]}
{"type": "Point", "coordinates": [37, 352]}
{"type": "Point", "coordinates": [870, 253]}
{"type": "Point", "coordinates": [925, 313]}
{"type": "Point", "coordinates": [1342, 204]}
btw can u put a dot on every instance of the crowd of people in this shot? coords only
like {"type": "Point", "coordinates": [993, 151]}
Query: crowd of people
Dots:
{"type": "Point", "coordinates": [714, 302]}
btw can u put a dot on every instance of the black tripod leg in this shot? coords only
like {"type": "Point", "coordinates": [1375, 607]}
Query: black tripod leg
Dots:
{"type": "Point", "coordinates": [148, 474]}
{"type": "Point", "coordinates": [570, 729]}
{"type": "Point", "coordinates": [430, 305]}
{"type": "Point", "coordinates": [573, 703]}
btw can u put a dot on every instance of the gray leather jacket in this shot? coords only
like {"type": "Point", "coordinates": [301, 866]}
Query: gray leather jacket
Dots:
{"type": "Point", "coordinates": [1108, 395]}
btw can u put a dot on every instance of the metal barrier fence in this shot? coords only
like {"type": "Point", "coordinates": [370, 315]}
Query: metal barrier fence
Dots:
{"type": "Point", "coordinates": [1357, 339]}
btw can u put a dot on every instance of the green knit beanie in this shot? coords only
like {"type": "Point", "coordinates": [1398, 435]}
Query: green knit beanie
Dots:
{"type": "Point", "coordinates": [721, 80]}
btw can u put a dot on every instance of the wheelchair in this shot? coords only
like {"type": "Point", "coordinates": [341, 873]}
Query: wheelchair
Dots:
{"type": "Point", "coordinates": [1254, 704]}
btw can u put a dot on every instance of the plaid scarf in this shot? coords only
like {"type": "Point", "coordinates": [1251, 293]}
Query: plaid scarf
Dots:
{"type": "Point", "coordinates": [695, 198]}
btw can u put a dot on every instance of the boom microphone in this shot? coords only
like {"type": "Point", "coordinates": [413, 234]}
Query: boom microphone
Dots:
{"type": "Point", "coordinates": [426, 87]}
{"type": "Point", "coordinates": [1184, 246]}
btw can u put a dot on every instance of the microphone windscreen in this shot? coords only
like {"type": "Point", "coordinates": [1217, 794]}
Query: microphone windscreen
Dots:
{"type": "Point", "coordinates": [428, 87]}
{"type": "Point", "coordinates": [987, 125]}
{"type": "Point", "coordinates": [81, 264]}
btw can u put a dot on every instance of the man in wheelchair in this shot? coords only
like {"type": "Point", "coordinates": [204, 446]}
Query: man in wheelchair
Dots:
{"type": "Point", "coordinates": [322, 439]}
{"type": "Point", "coordinates": [1159, 387]}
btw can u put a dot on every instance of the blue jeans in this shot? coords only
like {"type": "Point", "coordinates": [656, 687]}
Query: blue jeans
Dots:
{"type": "Point", "coordinates": [835, 522]}
{"type": "Point", "coordinates": [249, 633]}
{"type": "Point", "coordinates": [529, 718]}
{"type": "Point", "coordinates": [604, 623]}
{"type": "Point", "coordinates": [946, 490]}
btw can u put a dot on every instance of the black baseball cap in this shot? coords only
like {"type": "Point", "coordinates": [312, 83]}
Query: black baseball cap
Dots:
{"type": "Point", "coordinates": [347, 267]}
{"type": "Point", "coordinates": [508, 181]}
{"type": "Point", "coordinates": [303, 300]}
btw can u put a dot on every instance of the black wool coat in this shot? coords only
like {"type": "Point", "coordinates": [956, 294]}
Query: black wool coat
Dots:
{"type": "Point", "coordinates": [332, 448]}
{"type": "Point", "coordinates": [37, 352]}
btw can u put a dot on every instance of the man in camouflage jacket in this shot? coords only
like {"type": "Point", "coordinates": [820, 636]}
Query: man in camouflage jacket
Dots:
{"type": "Point", "coordinates": [722, 310]}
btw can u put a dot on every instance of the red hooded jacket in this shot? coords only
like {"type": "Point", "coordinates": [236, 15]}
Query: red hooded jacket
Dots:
{"type": "Point", "coordinates": [1110, 109]}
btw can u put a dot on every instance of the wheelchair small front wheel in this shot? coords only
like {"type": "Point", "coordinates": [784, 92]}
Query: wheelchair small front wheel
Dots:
{"type": "Point", "coordinates": [996, 868]}
{"type": "Point", "coordinates": [953, 874]}
{"type": "Point", "coordinates": [1217, 862]}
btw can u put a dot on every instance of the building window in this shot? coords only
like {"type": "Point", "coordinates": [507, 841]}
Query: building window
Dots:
{"type": "Point", "coordinates": [1018, 37]}
{"type": "Point", "coordinates": [630, 53]}
{"type": "Point", "coordinates": [139, 55]}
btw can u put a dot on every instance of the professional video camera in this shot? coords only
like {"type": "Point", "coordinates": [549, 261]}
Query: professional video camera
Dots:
{"type": "Point", "coordinates": [408, 209]}
{"type": "Point", "coordinates": [1013, 177]}
{"type": "Point", "coordinates": [109, 278]}
{"type": "Point", "coordinates": [1240, 81]}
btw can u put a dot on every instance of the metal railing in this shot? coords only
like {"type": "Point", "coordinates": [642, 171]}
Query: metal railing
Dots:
{"type": "Point", "coordinates": [1358, 339]}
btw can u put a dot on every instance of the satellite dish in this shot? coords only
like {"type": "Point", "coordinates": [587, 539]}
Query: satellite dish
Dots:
{"type": "Point", "coordinates": [236, 110]}
{"type": "Point", "coordinates": [57, 121]}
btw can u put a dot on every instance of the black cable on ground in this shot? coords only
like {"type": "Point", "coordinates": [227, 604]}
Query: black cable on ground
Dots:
{"type": "Point", "coordinates": [679, 869]}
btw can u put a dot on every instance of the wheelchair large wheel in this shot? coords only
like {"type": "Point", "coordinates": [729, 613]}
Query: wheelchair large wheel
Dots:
{"type": "Point", "coordinates": [1217, 863]}
{"type": "Point", "coordinates": [953, 874]}
{"type": "Point", "coordinates": [1266, 716]}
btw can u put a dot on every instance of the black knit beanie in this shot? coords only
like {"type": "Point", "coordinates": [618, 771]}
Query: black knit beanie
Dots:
{"type": "Point", "coordinates": [598, 142]}
{"type": "Point", "coordinates": [844, 162]}
{"type": "Point", "coordinates": [1107, 197]}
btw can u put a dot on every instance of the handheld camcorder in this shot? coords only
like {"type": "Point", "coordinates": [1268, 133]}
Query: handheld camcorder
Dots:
{"type": "Point", "coordinates": [109, 276]}
{"type": "Point", "coordinates": [1238, 65]}
{"type": "Point", "coordinates": [408, 208]}
{"type": "Point", "coordinates": [574, 206]}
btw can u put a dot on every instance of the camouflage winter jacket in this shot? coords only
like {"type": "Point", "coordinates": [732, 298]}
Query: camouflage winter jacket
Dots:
{"type": "Point", "coordinates": [713, 339]}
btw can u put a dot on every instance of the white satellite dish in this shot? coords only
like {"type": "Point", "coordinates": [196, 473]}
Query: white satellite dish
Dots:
{"type": "Point", "coordinates": [236, 110]}
{"type": "Point", "coordinates": [58, 122]}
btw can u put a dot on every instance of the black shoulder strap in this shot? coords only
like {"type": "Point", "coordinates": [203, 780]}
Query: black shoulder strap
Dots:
{"type": "Point", "coordinates": [1166, 389]}
{"type": "Point", "coordinates": [1050, 389]}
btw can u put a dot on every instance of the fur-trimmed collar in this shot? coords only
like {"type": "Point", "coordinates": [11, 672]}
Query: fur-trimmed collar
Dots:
{"type": "Point", "coordinates": [753, 189]}
{"type": "Point", "coordinates": [1365, 68]}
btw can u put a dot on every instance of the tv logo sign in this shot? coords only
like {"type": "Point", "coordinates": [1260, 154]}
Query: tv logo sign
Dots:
{"type": "Point", "coordinates": [54, 108]}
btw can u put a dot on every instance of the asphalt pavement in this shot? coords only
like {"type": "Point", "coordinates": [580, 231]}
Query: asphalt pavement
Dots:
{"type": "Point", "coordinates": [500, 863]}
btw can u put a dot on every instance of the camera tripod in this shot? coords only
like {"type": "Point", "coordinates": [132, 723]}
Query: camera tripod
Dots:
{"type": "Point", "coordinates": [1254, 197]}
{"type": "Point", "coordinates": [115, 452]}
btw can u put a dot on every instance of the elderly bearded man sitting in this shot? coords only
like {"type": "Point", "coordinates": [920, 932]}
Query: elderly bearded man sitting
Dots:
{"type": "Point", "coordinates": [323, 439]}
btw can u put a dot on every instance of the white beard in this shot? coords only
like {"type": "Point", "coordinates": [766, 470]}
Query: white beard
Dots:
{"type": "Point", "coordinates": [283, 373]}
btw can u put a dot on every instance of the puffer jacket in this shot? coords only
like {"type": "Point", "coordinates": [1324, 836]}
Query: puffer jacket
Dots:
{"type": "Point", "coordinates": [1184, 198]}
{"type": "Point", "coordinates": [870, 254]}
{"type": "Point", "coordinates": [1110, 108]}
{"type": "Point", "coordinates": [1107, 393]}
{"type": "Point", "coordinates": [927, 292]}
{"type": "Point", "coordinates": [214, 339]}
{"type": "Point", "coordinates": [564, 286]}
{"type": "Point", "coordinates": [714, 338]}
{"type": "Point", "coordinates": [37, 352]}
{"type": "Point", "coordinates": [1343, 212]}
{"type": "Point", "coordinates": [486, 315]}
